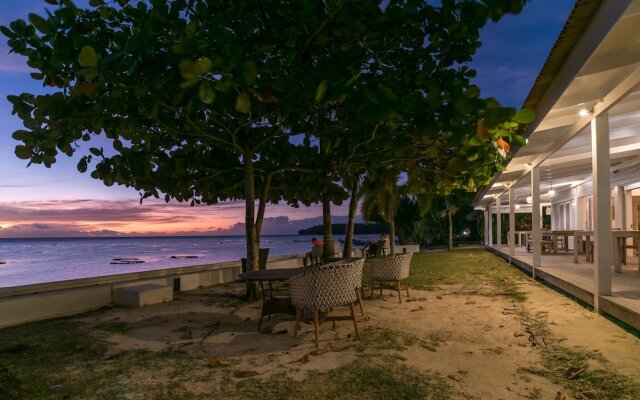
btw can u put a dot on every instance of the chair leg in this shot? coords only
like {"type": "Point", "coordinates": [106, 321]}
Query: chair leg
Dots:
{"type": "Point", "coordinates": [297, 324]}
{"type": "Point", "coordinates": [355, 322]}
{"type": "Point", "coordinates": [316, 327]}
{"type": "Point", "coordinates": [360, 301]}
{"type": "Point", "coordinates": [399, 296]}
{"type": "Point", "coordinates": [406, 286]}
{"type": "Point", "coordinates": [371, 288]}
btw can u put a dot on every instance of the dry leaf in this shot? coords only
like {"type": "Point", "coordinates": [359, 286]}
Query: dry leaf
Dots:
{"type": "Point", "coordinates": [245, 374]}
{"type": "Point", "coordinates": [518, 334]}
{"type": "Point", "coordinates": [305, 359]}
{"type": "Point", "coordinates": [470, 302]}
{"type": "Point", "coordinates": [418, 309]}
{"type": "Point", "coordinates": [266, 330]}
{"type": "Point", "coordinates": [337, 349]}
{"type": "Point", "coordinates": [573, 372]}
{"type": "Point", "coordinates": [439, 297]}
{"type": "Point", "coordinates": [280, 332]}
{"type": "Point", "coordinates": [589, 395]}
{"type": "Point", "coordinates": [215, 363]}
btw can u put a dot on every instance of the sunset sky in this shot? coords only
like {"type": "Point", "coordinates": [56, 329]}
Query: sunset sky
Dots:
{"type": "Point", "coordinates": [60, 201]}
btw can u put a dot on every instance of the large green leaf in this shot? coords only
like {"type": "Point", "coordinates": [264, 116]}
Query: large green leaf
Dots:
{"type": "Point", "coordinates": [88, 57]}
{"type": "Point", "coordinates": [525, 116]}
{"type": "Point", "coordinates": [40, 23]}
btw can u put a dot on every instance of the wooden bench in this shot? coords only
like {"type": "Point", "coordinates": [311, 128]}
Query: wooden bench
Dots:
{"type": "Point", "coordinates": [142, 295]}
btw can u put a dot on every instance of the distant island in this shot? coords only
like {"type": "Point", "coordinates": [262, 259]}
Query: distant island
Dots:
{"type": "Point", "coordinates": [340, 229]}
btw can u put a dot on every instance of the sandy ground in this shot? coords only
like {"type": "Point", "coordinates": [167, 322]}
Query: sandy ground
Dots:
{"type": "Point", "coordinates": [480, 343]}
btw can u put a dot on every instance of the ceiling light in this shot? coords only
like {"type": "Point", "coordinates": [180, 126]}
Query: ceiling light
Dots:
{"type": "Point", "coordinates": [529, 199]}
{"type": "Point", "coordinates": [517, 206]}
{"type": "Point", "coordinates": [584, 111]}
{"type": "Point", "coordinates": [551, 193]}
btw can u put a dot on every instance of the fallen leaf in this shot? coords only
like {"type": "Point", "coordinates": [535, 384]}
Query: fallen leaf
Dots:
{"type": "Point", "coordinates": [280, 332]}
{"type": "Point", "coordinates": [337, 349]}
{"type": "Point", "coordinates": [215, 363]}
{"type": "Point", "coordinates": [55, 388]}
{"type": "Point", "coordinates": [589, 395]}
{"type": "Point", "coordinates": [305, 359]}
{"type": "Point", "coordinates": [439, 297]}
{"type": "Point", "coordinates": [470, 302]}
{"type": "Point", "coordinates": [418, 309]}
{"type": "Point", "coordinates": [518, 334]}
{"type": "Point", "coordinates": [182, 329]}
{"type": "Point", "coordinates": [453, 378]}
{"type": "Point", "coordinates": [245, 374]}
{"type": "Point", "coordinates": [186, 336]}
{"type": "Point", "coordinates": [266, 330]}
{"type": "Point", "coordinates": [573, 372]}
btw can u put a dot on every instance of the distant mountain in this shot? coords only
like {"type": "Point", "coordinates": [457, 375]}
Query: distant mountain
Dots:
{"type": "Point", "coordinates": [281, 225]}
{"type": "Point", "coordinates": [340, 229]}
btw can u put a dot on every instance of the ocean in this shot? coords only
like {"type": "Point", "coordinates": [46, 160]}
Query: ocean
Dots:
{"type": "Point", "coordinates": [30, 261]}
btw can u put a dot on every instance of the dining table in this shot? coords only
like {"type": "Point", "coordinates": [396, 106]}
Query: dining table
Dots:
{"type": "Point", "coordinates": [580, 237]}
{"type": "Point", "coordinates": [561, 236]}
{"type": "Point", "coordinates": [620, 247]}
{"type": "Point", "coordinates": [272, 304]}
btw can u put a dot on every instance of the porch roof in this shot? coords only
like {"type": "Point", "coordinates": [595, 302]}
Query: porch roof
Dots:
{"type": "Point", "coordinates": [594, 65]}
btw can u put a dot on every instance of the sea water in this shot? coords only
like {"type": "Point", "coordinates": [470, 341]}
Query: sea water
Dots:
{"type": "Point", "coordinates": [30, 261]}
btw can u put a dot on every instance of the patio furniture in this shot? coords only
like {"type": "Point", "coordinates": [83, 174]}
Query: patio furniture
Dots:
{"type": "Point", "coordinates": [391, 269]}
{"type": "Point", "coordinates": [323, 288]}
{"type": "Point", "coordinates": [270, 304]}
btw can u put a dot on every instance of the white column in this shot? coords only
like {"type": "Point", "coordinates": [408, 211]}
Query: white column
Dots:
{"type": "Point", "coordinates": [535, 218]}
{"type": "Point", "coordinates": [512, 222]}
{"type": "Point", "coordinates": [490, 226]}
{"type": "Point", "coordinates": [498, 222]}
{"type": "Point", "coordinates": [486, 227]}
{"type": "Point", "coordinates": [601, 207]}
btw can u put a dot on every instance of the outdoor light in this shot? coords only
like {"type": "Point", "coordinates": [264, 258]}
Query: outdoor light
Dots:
{"type": "Point", "coordinates": [584, 111]}
{"type": "Point", "coordinates": [529, 199]}
{"type": "Point", "coordinates": [517, 206]}
{"type": "Point", "coordinates": [551, 193]}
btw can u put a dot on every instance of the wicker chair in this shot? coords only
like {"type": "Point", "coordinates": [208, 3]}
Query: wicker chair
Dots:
{"type": "Point", "coordinates": [324, 288]}
{"type": "Point", "coordinates": [391, 269]}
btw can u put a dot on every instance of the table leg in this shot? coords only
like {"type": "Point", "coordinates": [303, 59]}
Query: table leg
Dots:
{"type": "Point", "coordinates": [554, 244]}
{"type": "Point", "coordinates": [576, 248]}
{"type": "Point", "coordinates": [617, 267]}
{"type": "Point", "coordinates": [587, 248]}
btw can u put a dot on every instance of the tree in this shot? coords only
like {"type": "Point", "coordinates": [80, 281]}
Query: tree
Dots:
{"type": "Point", "coordinates": [381, 199]}
{"type": "Point", "coordinates": [204, 101]}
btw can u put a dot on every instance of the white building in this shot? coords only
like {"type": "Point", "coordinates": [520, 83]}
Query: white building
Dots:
{"type": "Point", "coordinates": [581, 163]}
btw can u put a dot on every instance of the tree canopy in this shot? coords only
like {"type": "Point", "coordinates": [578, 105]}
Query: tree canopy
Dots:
{"type": "Point", "coordinates": [262, 100]}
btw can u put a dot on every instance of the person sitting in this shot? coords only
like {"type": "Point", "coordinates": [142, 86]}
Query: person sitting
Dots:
{"type": "Point", "coordinates": [370, 249]}
{"type": "Point", "coordinates": [316, 250]}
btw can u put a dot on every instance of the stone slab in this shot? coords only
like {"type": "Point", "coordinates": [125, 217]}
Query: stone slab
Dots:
{"type": "Point", "coordinates": [142, 295]}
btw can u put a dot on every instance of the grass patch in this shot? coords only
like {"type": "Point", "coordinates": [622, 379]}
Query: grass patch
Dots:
{"type": "Point", "coordinates": [571, 368]}
{"type": "Point", "coordinates": [384, 339]}
{"type": "Point", "coordinates": [113, 327]}
{"type": "Point", "coordinates": [468, 266]}
{"type": "Point", "coordinates": [365, 378]}
{"type": "Point", "coordinates": [66, 354]}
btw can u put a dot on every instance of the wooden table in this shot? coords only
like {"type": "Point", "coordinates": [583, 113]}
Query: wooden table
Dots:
{"type": "Point", "coordinates": [577, 244]}
{"type": "Point", "coordinates": [565, 240]}
{"type": "Point", "coordinates": [272, 305]}
{"type": "Point", "coordinates": [620, 248]}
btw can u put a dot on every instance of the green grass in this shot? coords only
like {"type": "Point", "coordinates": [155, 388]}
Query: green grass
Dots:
{"type": "Point", "coordinates": [366, 378]}
{"type": "Point", "coordinates": [468, 266]}
{"type": "Point", "coordinates": [384, 339]}
{"type": "Point", "coordinates": [67, 353]}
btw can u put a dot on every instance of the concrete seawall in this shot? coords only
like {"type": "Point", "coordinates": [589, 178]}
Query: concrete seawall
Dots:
{"type": "Point", "coordinates": [42, 301]}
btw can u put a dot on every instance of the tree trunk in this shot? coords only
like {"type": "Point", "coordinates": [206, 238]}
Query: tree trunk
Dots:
{"type": "Point", "coordinates": [327, 251]}
{"type": "Point", "coordinates": [250, 227]}
{"type": "Point", "coordinates": [446, 203]}
{"type": "Point", "coordinates": [351, 221]}
{"type": "Point", "coordinates": [392, 237]}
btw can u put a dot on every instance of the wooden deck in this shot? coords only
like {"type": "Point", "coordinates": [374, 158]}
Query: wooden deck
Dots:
{"type": "Point", "coordinates": [577, 279]}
